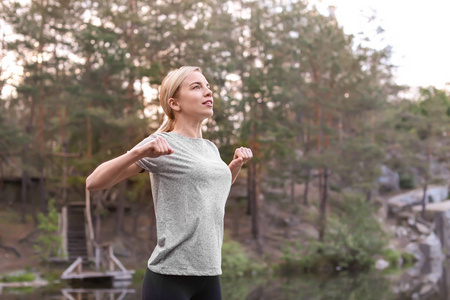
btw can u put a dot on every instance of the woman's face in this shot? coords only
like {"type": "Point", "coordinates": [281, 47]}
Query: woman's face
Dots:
{"type": "Point", "coordinates": [194, 97]}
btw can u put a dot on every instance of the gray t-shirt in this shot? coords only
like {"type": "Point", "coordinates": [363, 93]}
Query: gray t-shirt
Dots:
{"type": "Point", "coordinates": [190, 188]}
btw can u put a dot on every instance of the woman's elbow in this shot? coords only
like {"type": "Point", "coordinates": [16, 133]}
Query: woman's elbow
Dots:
{"type": "Point", "coordinates": [90, 184]}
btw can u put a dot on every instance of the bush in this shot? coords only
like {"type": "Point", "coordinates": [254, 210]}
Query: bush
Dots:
{"type": "Point", "coordinates": [393, 257]}
{"type": "Point", "coordinates": [406, 181]}
{"type": "Point", "coordinates": [49, 243]}
{"type": "Point", "coordinates": [236, 262]}
{"type": "Point", "coordinates": [234, 259]}
{"type": "Point", "coordinates": [352, 239]}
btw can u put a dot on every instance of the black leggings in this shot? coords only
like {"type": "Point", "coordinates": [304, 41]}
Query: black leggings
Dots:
{"type": "Point", "coordinates": [173, 287]}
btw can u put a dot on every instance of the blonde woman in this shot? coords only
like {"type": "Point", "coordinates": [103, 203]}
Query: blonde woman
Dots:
{"type": "Point", "coordinates": [190, 185]}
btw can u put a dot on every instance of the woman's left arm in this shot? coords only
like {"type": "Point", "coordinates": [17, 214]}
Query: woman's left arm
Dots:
{"type": "Point", "coordinates": [241, 156]}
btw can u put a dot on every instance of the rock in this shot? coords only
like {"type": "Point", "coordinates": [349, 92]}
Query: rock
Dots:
{"type": "Point", "coordinates": [432, 208]}
{"type": "Point", "coordinates": [413, 248]}
{"type": "Point", "coordinates": [411, 221]}
{"type": "Point", "coordinates": [442, 223]}
{"type": "Point", "coordinates": [414, 198]}
{"type": "Point", "coordinates": [400, 232]}
{"type": "Point", "coordinates": [389, 180]}
{"type": "Point", "coordinates": [427, 288]}
{"type": "Point", "coordinates": [406, 215]}
{"type": "Point", "coordinates": [423, 229]}
{"type": "Point", "coordinates": [431, 247]}
{"type": "Point", "coordinates": [381, 264]}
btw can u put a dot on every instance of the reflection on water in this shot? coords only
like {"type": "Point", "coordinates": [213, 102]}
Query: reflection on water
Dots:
{"type": "Point", "coordinates": [98, 294]}
{"type": "Point", "coordinates": [341, 287]}
{"type": "Point", "coordinates": [420, 283]}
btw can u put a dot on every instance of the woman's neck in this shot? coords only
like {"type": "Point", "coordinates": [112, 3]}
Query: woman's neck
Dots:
{"type": "Point", "coordinates": [192, 130]}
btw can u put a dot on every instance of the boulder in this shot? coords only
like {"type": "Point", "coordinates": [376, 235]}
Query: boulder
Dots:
{"type": "Point", "coordinates": [431, 247]}
{"type": "Point", "coordinates": [432, 209]}
{"type": "Point", "coordinates": [421, 228]}
{"type": "Point", "coordinates": [389, 180]}
{"type": "Point", "coordinates": [442, 223]}
{"type": "Point", "coordinates": [381, 264]}
{"type": "Point", "coordinates": [435, 194]}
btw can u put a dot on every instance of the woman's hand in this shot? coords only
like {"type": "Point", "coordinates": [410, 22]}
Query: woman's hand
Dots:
{"type": "Point", "coordinates": [241, 156]}
{"type": "Point", "coordinates": [155, 148]}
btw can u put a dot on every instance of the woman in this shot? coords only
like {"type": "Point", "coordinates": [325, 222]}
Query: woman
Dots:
{"type": "Point", "coordinates": [190, 185]}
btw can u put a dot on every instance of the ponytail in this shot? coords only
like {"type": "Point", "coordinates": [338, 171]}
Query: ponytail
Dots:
{"type": "Point", "coordinates": [166, 126]}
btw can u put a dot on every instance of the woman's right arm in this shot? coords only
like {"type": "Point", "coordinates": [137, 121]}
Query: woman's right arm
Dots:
{"type": "Point", "coordinates": [114, 171]}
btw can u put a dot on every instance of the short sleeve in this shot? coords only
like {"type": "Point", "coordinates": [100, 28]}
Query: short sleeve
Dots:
{"type": "Point", "coordinates": [147, 163]}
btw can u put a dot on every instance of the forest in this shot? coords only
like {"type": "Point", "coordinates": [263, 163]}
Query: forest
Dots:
{"type": "Point", "coordinates": [319, 108]}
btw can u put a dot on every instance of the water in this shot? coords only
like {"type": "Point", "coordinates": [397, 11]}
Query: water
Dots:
{"type": "Point", "coordinates": [414, 284]}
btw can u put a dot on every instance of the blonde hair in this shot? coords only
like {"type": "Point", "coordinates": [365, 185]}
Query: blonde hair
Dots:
{"type": "Point", "coordinates": [169, 89]}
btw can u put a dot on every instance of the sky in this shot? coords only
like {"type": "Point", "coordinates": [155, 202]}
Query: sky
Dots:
{"type": "Point", "coordinates": [418, 32]}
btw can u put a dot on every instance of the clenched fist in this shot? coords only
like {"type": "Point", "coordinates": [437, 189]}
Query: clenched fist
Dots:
{"type": "Point", "coordinates": [157, 147]}
{"type": "Point", "coordinates": [242, 155]}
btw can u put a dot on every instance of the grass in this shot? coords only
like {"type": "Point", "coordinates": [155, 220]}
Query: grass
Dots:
{"type": "Point", "coordinates": [27, 277]}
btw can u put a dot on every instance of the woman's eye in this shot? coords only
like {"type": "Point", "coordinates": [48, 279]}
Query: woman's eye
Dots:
{"type": "Point", "coordinates": [196, 87]}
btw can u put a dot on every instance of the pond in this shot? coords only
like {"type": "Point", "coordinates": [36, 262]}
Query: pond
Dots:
{"type": "Point", "coordinates": [413, 284]}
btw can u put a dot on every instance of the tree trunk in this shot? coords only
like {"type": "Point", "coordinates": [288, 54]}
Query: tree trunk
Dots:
{"type": "Point", "coordinates": [121, 207]}
{"type": "Point", "coordinates": [42, 192]}
{"type": "Point", "coordinates": [323, 206]}
{"type": "Point", "coordinates": [424, 198]}
{"type": "Point", "coordinates": [368, 195]}
{"type": "Point", "coordinates": [64, 191]}
{"type": "Point", "coordinates": [253, 197]}
{"type": "Point", "coordinates": [305, 191]}
{"type": "Point", "coordinates": [24, 195]}
{"type": "Point", "coordinates": [293, 185]}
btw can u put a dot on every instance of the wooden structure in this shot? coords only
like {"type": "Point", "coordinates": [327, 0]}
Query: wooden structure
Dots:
{"type": "Point", "coordinates": [79, 244]}
{"type": "Point", "coordinates": [73, 294]}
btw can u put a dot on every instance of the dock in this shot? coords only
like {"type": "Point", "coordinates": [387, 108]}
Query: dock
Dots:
{"type": "Point", "coordinates": [80, 244]}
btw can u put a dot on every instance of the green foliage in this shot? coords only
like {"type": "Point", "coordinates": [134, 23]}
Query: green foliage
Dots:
{"type": "Point", "coordinates": [138, 275]}
{"type": "Point", "coordinates": [408, 259]}
{"type": "Point", "coordinates": [236, 262]}
{"type": "Point", "coordinates": [18, 277]}
{"type": "Point", "coordinates": [49, 243]}
{"type": "Point", "coordinates": [406, 181]}
{"type": "Point", "coordinates": [352, 240]}
{"type": "Point", "coordinates": [393, 257]}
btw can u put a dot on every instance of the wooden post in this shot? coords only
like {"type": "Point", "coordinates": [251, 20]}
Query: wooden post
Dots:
{"type": "Point", "coordinates": [89, 230]}
{"type": "Point", "coordinates": [110, 255]}
{"type": "Point", "coordinates": [65, 253]}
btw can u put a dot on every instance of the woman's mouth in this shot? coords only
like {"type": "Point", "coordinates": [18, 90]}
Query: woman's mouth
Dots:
{"type": "Point", "coordinates": [208, 103]}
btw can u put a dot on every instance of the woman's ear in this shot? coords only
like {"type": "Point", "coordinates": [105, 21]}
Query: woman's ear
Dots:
{"type": "Point", "coordinates": [174, 104]}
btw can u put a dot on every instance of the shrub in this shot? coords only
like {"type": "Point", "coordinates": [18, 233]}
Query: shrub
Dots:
{"type": "Point", "coordinates": [235, 261]}
{"type": "Point", "coordinates": [49, 243]}
{"type": "Point", "coordinates": [393, 257]}
{"type": "Point", "coordinates": [352, 239]}
{"type": "Point", "coordinates": [406, 181]}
